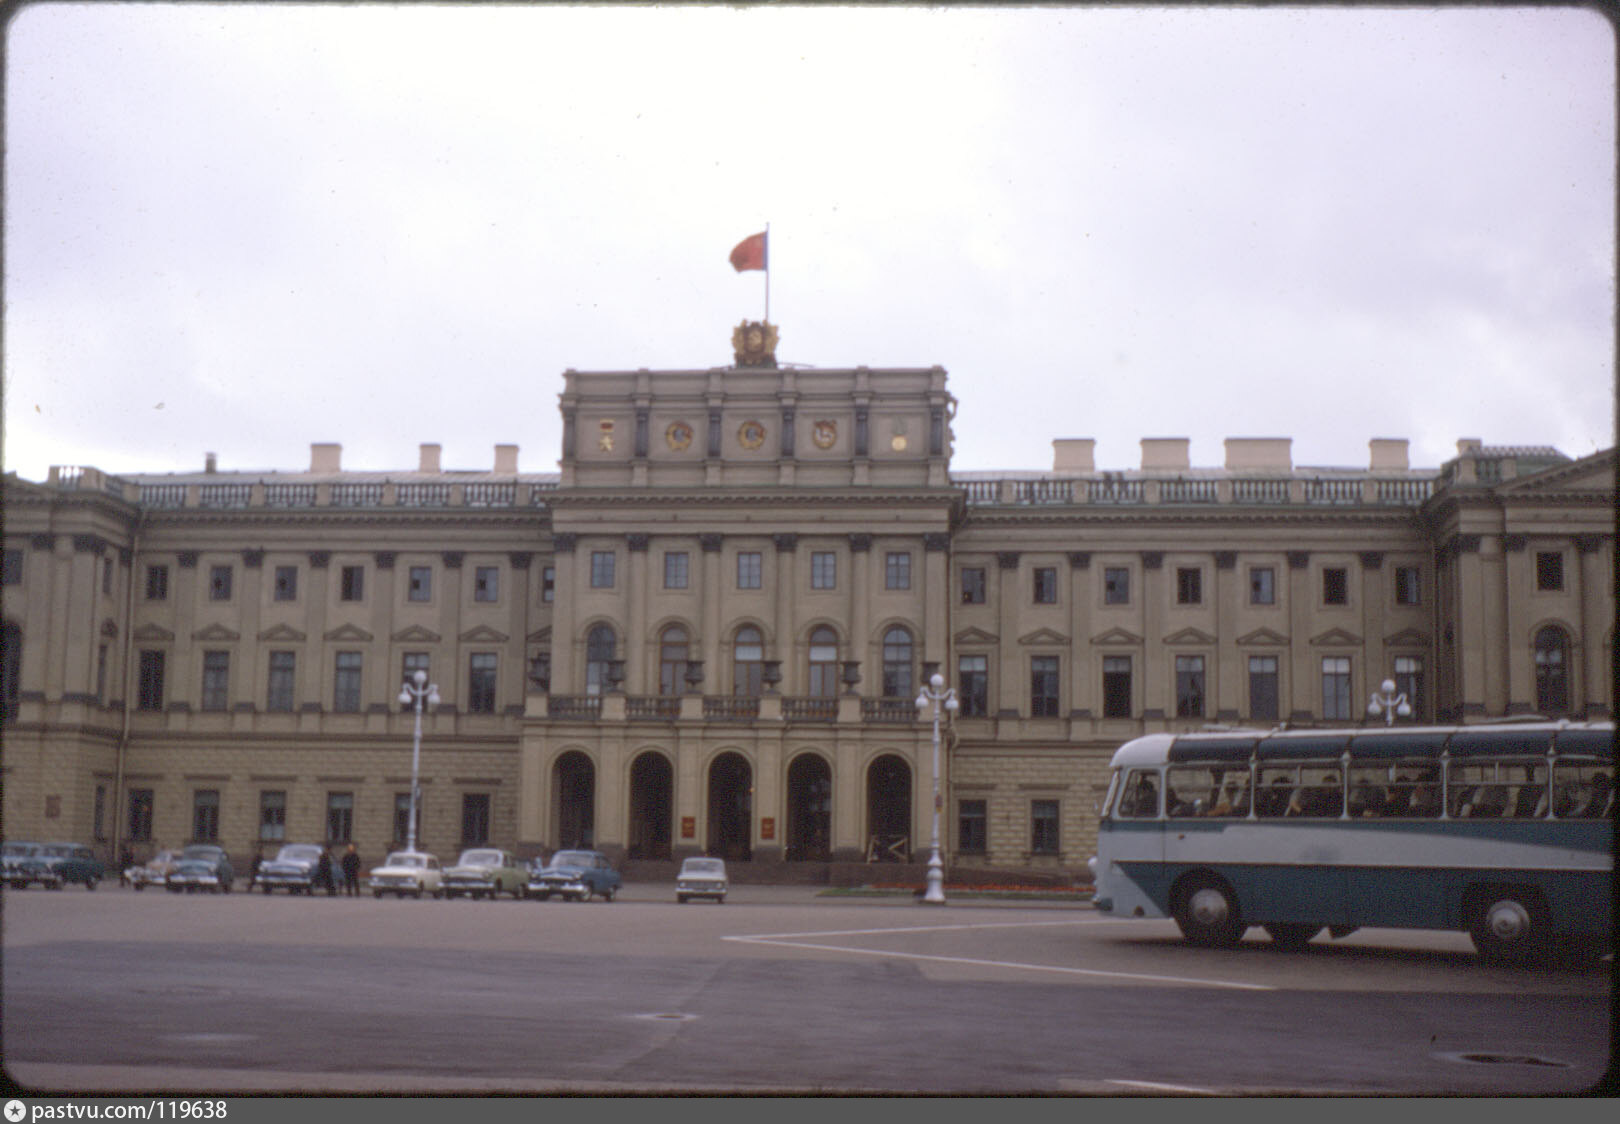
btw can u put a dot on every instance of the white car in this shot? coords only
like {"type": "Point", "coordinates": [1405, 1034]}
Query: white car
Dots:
{"type": "Point", "coordinates": [701, 878]}
{"type": "Point", "coordinates": [484, 871]}
{"type": "Point", "coordinates": [408, 872]}
{"type": "Point", "coordinates": [153, 872]}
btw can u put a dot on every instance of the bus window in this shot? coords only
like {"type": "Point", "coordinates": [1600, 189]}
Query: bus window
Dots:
{"type": "Point", "coordinates": [1139, 799]}
{"type": "Point", "coordinates": [1481, 790]}
{"type": "Point", "coordinates": [1207, 790]}
{"type": "Point", "coordinates": [1530, 797]}
{"type": "Point", "coordinates": [1582, 790]}
{"type": "Point", "coordinates": [1374, 792]}
{"type": "Point", "coordinates": [1299, 790]}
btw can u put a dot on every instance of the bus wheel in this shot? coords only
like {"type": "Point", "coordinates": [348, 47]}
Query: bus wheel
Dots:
{"type": "Point", "coordinates": [1291, 937]}
{"type": "Point", "coordinates": [1510, 926]}
{"type": "Point", "coordinates": [1207, 912]}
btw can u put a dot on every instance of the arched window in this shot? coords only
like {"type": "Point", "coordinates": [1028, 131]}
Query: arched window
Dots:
{"type": "Point", "coordinates": [1552, 671]}
{"type": "Point", "coordinates": [599, 648]}
{"type": "Point", "coordinates": [897, 681]}
{"type": "Point", "coordinates": [672, 653]}
{"type": "Point", "coordinates": [747, 662]}
{"type": "Point", "coordinates": [823, 663]}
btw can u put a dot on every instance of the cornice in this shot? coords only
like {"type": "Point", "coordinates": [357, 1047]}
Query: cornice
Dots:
{"type": "Point", "coordinates": [795, 497]}
{"type": "Point", "coordinates": [1226, 517]}
{"type": "Point", "coordinates": [526, 518]}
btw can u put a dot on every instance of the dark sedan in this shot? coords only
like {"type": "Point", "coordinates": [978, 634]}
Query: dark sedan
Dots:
{"type": "Point", "coordinates": [574, 876]}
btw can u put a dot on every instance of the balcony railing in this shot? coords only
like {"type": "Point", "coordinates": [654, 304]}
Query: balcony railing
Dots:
{"type": "Point", "coordinates": [1261, 490]}
{"type": "Point", "coordinates": [896, 711]}
{"type": "Point", "coordinates": [574, 706]}
{"type": "Point", "coordinates": [810, 709]}
{"type": "Point", "coordinates": [731, 708]}
{"type": "Point", "coordinates": [652, 708]}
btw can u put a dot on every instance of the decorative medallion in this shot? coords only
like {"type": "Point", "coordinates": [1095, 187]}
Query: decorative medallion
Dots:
{"type": "Point", "coordinates": [751, 435]}
{"type": "Point", "coordinates": [754, 343]}
{"type": "Point", "coordinates": [898, 442]}
{"type": "Point", "coordinates": [604, 441]}
{"type": "Point", "coordinates": [824, 433]}
{"type": "Point", "coordinates": [678, 436]}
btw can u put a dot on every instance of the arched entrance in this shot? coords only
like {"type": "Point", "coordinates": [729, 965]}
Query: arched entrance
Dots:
{"type": "Point", "coordinates": [809, 809]}
{"type": "Point", "coordinates": [888, 810]}
{"type": "Point", "coordinates": [731, 807]}
{"type": "Point", "coordinates": [652, 797]}
{"type": "Point", "coordinates": [573, 788]}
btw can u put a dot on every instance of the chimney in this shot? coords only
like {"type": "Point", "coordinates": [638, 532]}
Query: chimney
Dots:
{"type": "Point", "coordinates": [326, 457]}
{"type": "Point", "coordinates": [1074, 454]}
{"type": "Point", "coordinates": [1466, 445]}
{"type": "Point", "coordinates": [1388, 453]}
{"type": "Point", "coordinates": [1165, 452]}
{"type": "Point", "coordinates": [430, 459]}
{"type": "Point", "coordinates": [506, 459]}
{"type": "Point", "coordinates": [210, 463]}
{"type": "Point", "coordinates": [1260, 452]}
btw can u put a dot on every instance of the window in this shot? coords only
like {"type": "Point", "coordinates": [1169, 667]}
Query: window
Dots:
{"type": "Point", "coordinates": [101, 673]}
{"type": "Point", "coordinates": [481, 683]}
{"type": "Point", "coordinates": [419, 584]}
{"type": "Point", "coordinates": [352, 583]}
{"type": "Point", "coordinates": [897, 681]}
{"type": "Point", "coordinates": [219, 583]}
{"type": "Point", "coordinates": [1408, 591]}
{"type": "Point", "coordinates": [973, 685]}
{"type": "Point", "coordinates": [216, 680]}
{"type": "Point", "coordinates": [410, 664]}
{"type": "Point", "coordinates": [474, 819]}
{"type": "Point", "coordinates": [279, 697]}
{"type": "Point", "coordinates": [599, 648]}
{"type": "Point", "coordinates": [973, 585]}
{"type": "Point", "coordinates": [106, 575]}
{"type": "Point", "coordinates": [1043, 824]}
{"type": "Point", "coordinates": [157, 583]}
{"type": "Point", "coordinates": [548, 583]}
{"type": "Point", "coordinates": [1189, 686]}
{"type": "Point", "coordinates": [1189, 586]}
{"type": "Point", "coordinates": [1552, 671]}
{"type": "Point", "coordinates": [602, 569]}
{"type": "Point", "coordinates": [823, 570]}
{"type": "Point", "coordinates": [346, 683]}
{"type": "Point", "coordinates": [140, 815]}
{"type": "Point", "coordinates": [100, 828]}
{"type": "Point", "coordinates": [1263, 690]}
{"type": "Point", "coordinates": [897, 571]}
{"type": "Point", "coordinates": [750, 566]}
{"type": "Point", "coordinates": [1045, 578]}
{"type": "Point", "coordinates": [747, 662]}
{"type": "Point", "coordinates": [823, 683]}
{"type": "Point", "coordinates": [487, 583]}
{"type": "Point", "coordinates": [1335, 586]}
{"type": "Point", "coordinates": [1043, 686]}
{"type": "Point", "coordinates": [402, 820]}
{"type": "Point", "coordinates": [11, 569]}
{"type": "Point", "coordinates": [673, 650]}
{"type": "Point", "coordinates": [971, 834]}
{"type": "Point", "coordinates": [677, 569]}
{"type": "Point", "coordinates": [10, 670]}
{"type": "Point", "coordinates": [1549, 571]}
{"type": "Point", "coordinates": [150, 691]}
{"type": "Point", "coordinates": [272, 816]}
{"type": "Point", "coordinates": [1116, 686]}
{"type": "Point", "coordinates": [1336, 688]}
{"type": "Point", "coordinates": [339, 817]}
{"type": "Point", "coordinates": [1262, 586]}
{"type": "Point", "coordinates": [1409, 682]}
{"type": "Point", "coordinates": [205, 815]}
{"type": "Point", "coordinates": [286, 583]}
{"type": "Point", "coordinates": [1116, 585]}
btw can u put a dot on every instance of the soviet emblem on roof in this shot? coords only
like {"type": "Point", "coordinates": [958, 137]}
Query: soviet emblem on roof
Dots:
{"type": "Point", "coordinates": [754, 342]}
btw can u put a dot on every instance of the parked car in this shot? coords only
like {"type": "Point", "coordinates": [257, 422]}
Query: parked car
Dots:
{"type": "Point", "coordinates": [701, 878]}
{"type": "Point", "coordinates": [483, 871]}
{"type": "Point", "coordinates": [408, 872]}
{"type": "Point", "coordinates": [575, 876]}
{"type": "Point", "coordinates": [195, 875]}
{"type": "Point", "coordinates": [293, 869]}
{"type": "Point", "coordinates": [24, 864]}
{"type": "Point", "coordinates": [73, 862]}
{"type": "Point", "coordinates": [153, 872]}
{"type": "Point", "coordinates": [215, 857]}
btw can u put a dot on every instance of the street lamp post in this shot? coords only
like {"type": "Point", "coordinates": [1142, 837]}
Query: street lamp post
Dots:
{"type": "Point", "coordinates": [940, 696]}
{"type": "Point", "coordinates": [417, 690]}
{"type": "Point", "coordinates": [1388, 703]}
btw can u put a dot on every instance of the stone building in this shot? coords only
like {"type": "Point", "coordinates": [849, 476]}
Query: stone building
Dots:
{"type": "Point", "coordinates": [706, 631]}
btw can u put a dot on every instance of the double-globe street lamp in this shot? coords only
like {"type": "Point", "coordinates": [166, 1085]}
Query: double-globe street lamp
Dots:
{"type": "Point", "coordinates": [941, 697]}
{"type": "Point", "coordinates": [1388, 703]}
{"type": "Point", "coordinates": [417, 690]}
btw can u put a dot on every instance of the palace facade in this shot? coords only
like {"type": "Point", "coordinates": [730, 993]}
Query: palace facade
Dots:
{"type": "Point", "coordinates": [707, 631]}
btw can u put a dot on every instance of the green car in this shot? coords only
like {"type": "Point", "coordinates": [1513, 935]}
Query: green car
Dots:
{"type": "Point", "coordinates": [73, 862]}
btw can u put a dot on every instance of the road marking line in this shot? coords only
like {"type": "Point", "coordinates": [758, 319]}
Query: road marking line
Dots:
{"type": "Point", "coordinates": [780, 943]}
{"type": "Point", "coordinates": [1161, 1086]}
{"type": "Point", "coordinates": [912, 929]}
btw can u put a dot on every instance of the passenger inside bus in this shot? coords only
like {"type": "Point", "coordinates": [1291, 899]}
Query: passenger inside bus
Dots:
{"type": "Point", "coordinates": [1141, 798]}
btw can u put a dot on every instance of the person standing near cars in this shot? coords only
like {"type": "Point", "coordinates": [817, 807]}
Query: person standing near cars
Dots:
{"type": "Point", "coordinates": [323, 872]}
{"type": "Point", "coordinates": [351, 872]}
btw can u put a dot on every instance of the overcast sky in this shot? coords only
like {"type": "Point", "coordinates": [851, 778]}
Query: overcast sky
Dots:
{"type": "Point", "coordinates": [245, 229]}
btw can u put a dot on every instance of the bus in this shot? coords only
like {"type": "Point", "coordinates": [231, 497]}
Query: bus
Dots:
{"type": "Point", "coordinates": [1504, 831]}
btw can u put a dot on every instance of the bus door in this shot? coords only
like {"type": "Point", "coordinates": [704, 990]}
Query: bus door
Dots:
{"type": "Point", "coordinates": [1135, 832]}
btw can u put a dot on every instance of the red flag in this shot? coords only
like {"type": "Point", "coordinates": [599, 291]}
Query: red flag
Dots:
{"type": "Point", "coordinates": [750, 253]}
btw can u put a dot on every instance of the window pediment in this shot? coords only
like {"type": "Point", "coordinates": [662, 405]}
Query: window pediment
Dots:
{"type": "Point", "coordinates": [1043, 637]}
{"type": "Point", "coordinates": [1190, 636]}
{"type": "Point", "coordinates": [284, 634]}
{"type": "Point", "coordinates": [1336, 638]}
{"type": "Point", "coordinates": [416, 634]}
{"type": "Point", "coordinates": [1263, 637]}
{"type": "Point", "coordinates": [1117, 638]}
{"type": "Point", "coordinates": [216, 634]}
{"type": "Point", "coordinates": [348, 633]}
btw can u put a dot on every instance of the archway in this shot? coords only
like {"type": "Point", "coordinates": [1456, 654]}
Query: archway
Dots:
{"type": "Point", "coordinates": [809, 809]}
{"type": "Point", "coordinates": [573, 788]}
{"type": "Point", "coordinates": [731, 807]}
{"type": "Point", "coordinates": [888, 810]}
{"type": "Point", "coordinates": [652, 798]}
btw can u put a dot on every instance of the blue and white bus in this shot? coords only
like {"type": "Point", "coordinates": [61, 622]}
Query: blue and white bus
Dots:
{"type": "Point", "coordinates": [1502, 831]}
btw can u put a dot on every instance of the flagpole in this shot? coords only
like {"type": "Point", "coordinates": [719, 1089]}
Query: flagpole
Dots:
{"type": "Point", "coordinates": [767, 273]}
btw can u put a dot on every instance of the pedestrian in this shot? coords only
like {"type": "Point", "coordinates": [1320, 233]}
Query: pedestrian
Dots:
{"type": "Point", "coordinates": [253, 870]}
{"type": "Point", "coordinates": [351, 872]}
{"type": "Point", "coordinates": [323, 873]}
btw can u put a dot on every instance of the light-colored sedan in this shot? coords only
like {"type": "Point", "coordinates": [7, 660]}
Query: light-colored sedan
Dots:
{"type": "Point", "coordinates": [483, 871]}
{"type": "Point", "coordinates": [701, 878]}
{"type": "Point", "coordinates": [154, 871]}
{"type": "Point", "coordinates": [408, 872]}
